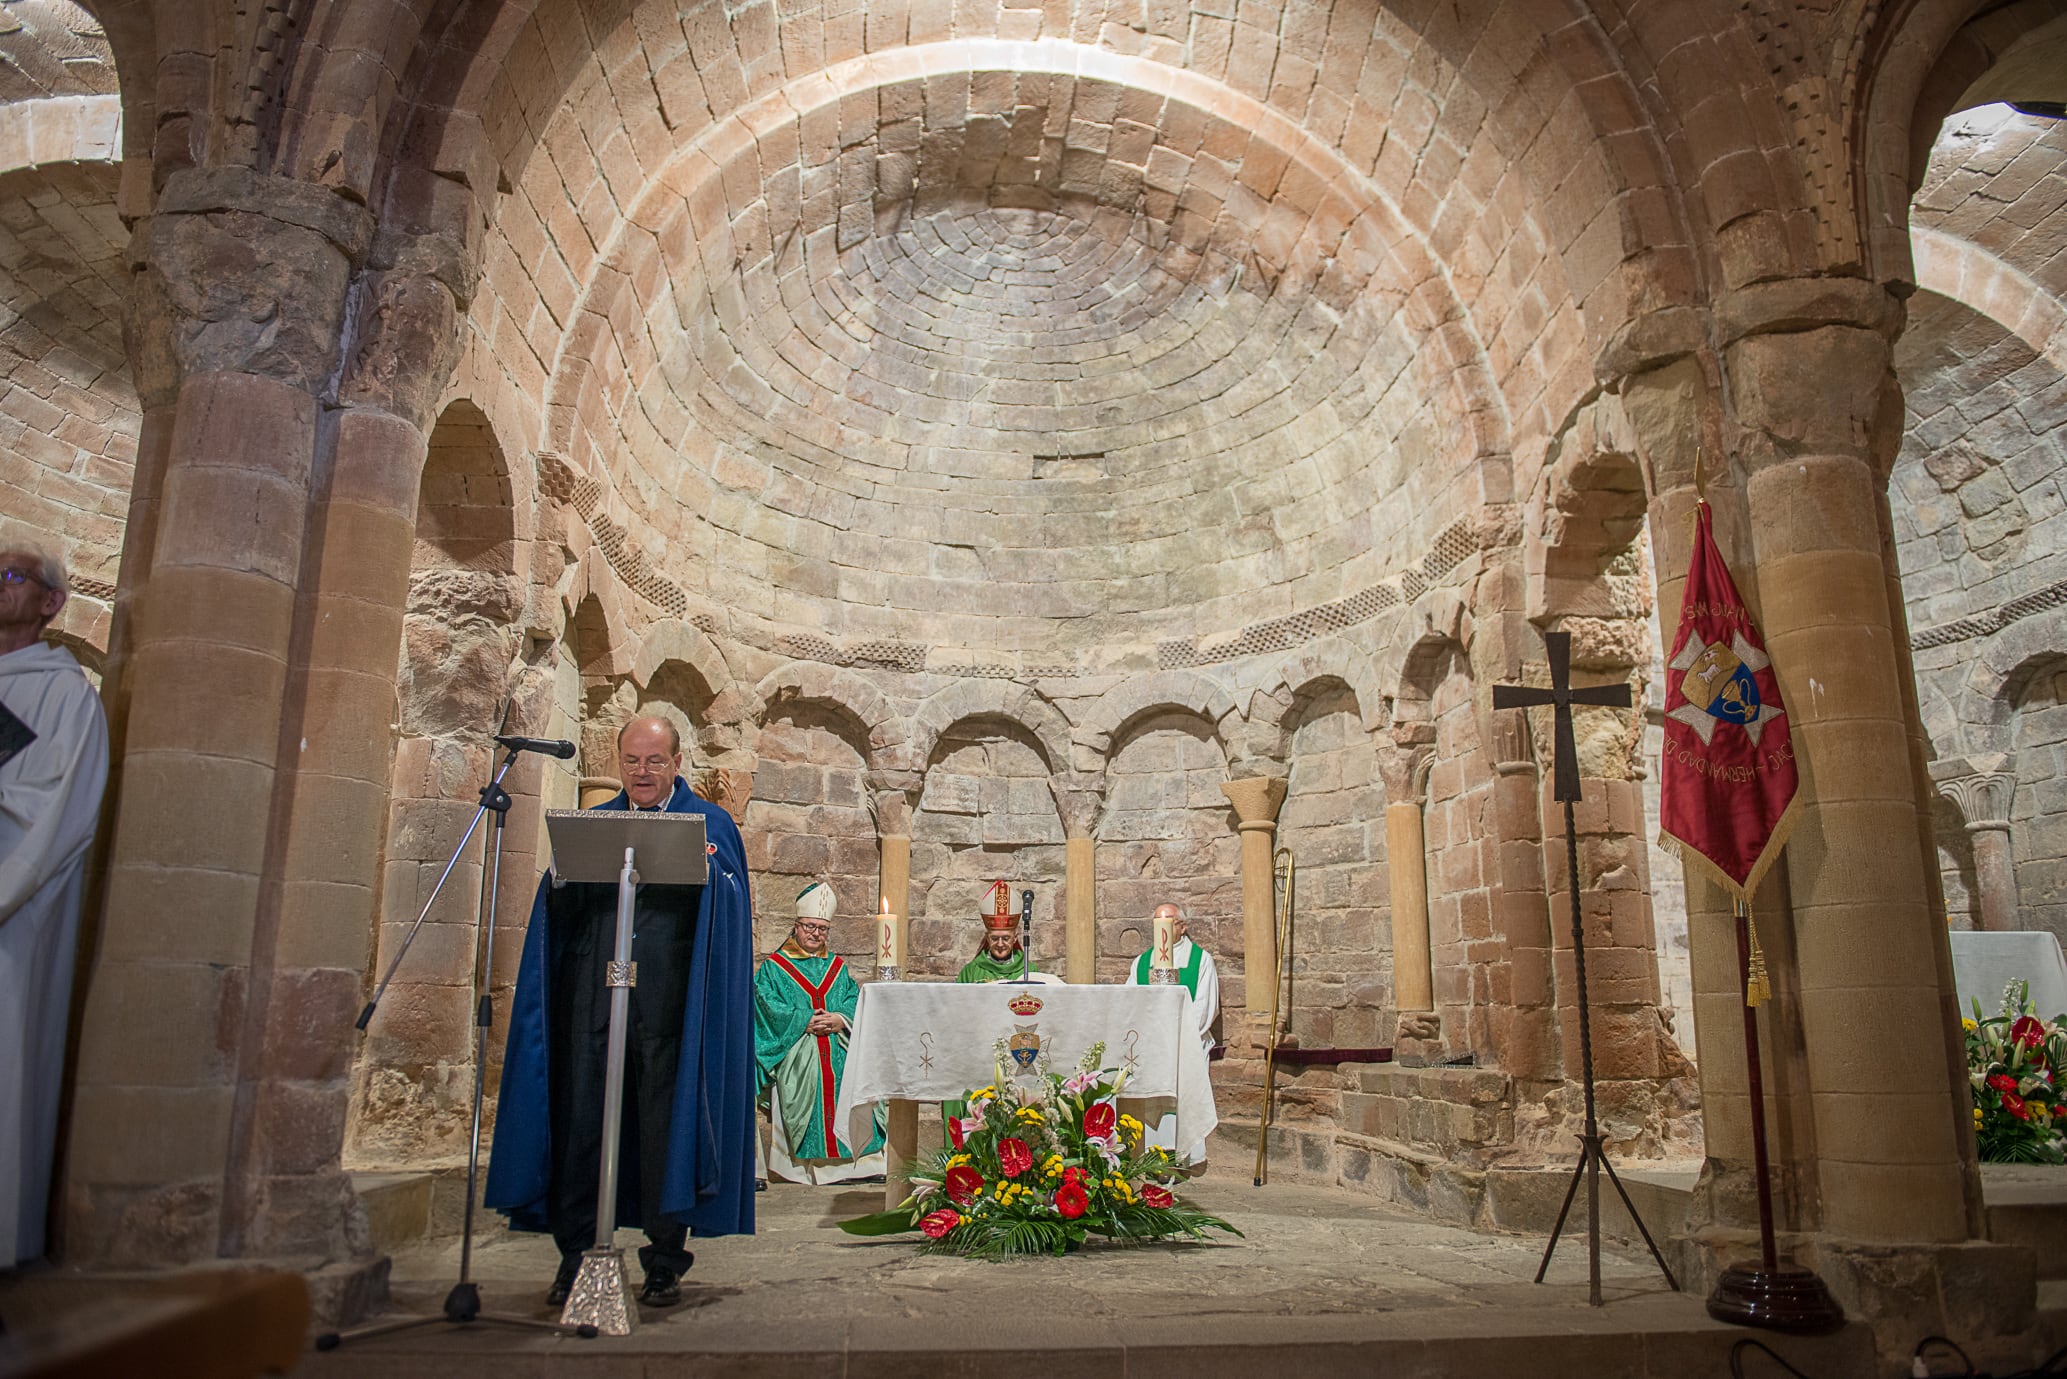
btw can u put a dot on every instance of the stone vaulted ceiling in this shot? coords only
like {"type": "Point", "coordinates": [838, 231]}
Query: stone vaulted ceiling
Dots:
{"type": "Point", "coordinates": [1023, 346]}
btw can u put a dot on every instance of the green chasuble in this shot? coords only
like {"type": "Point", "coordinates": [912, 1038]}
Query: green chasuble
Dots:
{"type": "Point", "coordinates": [804, 1070]}
{"type": "Point", "coordinates": [985, 968]}
{"type": "Point", "coordinates": [1187, 974]}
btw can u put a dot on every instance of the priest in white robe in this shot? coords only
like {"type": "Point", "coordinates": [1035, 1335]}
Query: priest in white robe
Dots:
{"type": "Point", "coordinates": [1199, 977]}
{"type": "Point", "coordinates": [53, 766]}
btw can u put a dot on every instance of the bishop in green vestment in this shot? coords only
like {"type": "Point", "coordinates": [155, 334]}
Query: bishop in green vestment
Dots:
{"type": "Point", "coordinates": [998, 960]}
{"type": "Point", "coordinates": [804, 1001]}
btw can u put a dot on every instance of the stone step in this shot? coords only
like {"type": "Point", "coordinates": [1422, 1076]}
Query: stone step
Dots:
{"type": "Point", "coordinates": [1649, 1337]}
{"type": "Point", "coordinates": [2027, 1205]}
{"type": "Point", "coordinates": [405, 1208]}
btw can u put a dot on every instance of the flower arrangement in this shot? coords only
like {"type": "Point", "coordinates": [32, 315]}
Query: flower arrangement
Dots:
{"type": "Point", "coordinates": [2013, 1066]}
{"type": "Point", "coordinates": [1040, 1170]}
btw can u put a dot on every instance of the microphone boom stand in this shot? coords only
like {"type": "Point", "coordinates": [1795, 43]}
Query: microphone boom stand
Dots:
{"type": "Point", "coordinates": [463, 1304]}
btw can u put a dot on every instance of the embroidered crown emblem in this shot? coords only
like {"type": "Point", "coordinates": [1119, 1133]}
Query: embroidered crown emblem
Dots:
{"type": "Point", "coordinates": [1025, 1003]}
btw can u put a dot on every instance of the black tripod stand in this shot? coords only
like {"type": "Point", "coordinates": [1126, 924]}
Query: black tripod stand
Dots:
{"type": "Point", "coordinates": [1565, 762]}
{"type": "Point", "coordinates": [463, 1303]}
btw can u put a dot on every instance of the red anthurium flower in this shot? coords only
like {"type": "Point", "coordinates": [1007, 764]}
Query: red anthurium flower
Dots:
{"type": "Point", "coordinates": [962, 1182]}
{"type": "Point", "coordinates": [2028, 1032]}
{"type": "Point", "coordinates": [938, 1223]}
{"type": "Point", "coordinates": [1071, 1201]}
{"type": "Point", "coordinates": [1073, 1175]}
{"type": "Point", "coordinates": [2002, 1082]}
{"type": "Point", "coordinates": [954, 1130]}
{"type": "Point", "coordinates": [1099, 1119]}
{"type": "Point", "coordinates": [1014, 1157]}
{"type": "Point", "coordinates": [2014, 1104]}
{"type": "Point", "coordinates": [1154, 1196]}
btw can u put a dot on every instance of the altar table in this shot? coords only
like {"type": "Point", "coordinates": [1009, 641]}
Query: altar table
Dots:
{"type": "Point", "coordinates": [936, 1041]}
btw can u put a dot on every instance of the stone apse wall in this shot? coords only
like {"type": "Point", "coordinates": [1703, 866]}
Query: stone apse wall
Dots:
{"type": "Point", "coordinates": [1085, 445]}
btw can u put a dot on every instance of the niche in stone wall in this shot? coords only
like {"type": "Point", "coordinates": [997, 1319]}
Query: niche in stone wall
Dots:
{"type": "Point", "coordinates": [809, 821]}
{"type": "Point", "coordinates": [986, 812]}
{"type": "Point", "coordinates": [677, 692]}
{"type": "Point", "coordinates": [1167, 835]}
{"type": "Point", "coordinates": [2038, 808]}
{"type": "Point", "coordinates": [1333, 820]}
{"type": "Point", "coordinates": [413, 1097]}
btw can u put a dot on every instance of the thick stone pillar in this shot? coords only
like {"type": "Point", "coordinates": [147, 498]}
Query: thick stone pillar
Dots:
{"type": "Point", "coordinates": [1413, 981]}
{"type": "Point", "coordinates": [1808, 372]}
{"type": "Point", "coordinates": [1080, 923]}
{"type": "Point", "coordinates": [1982, 787]}
{"type": "Point", "coordinates": [217, 1036]}
{"type": "Point", "coordinates": [1668, 410]}
{"type": "Point", "coordinates": [1256, 800]}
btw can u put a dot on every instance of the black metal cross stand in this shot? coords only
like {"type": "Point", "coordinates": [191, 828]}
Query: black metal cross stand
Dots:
{"type": "Point", "coordinates": [1565, 769]}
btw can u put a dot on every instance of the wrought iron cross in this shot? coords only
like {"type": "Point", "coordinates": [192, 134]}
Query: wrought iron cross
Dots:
{"type": "Point", "coordinates": [1561, 697]}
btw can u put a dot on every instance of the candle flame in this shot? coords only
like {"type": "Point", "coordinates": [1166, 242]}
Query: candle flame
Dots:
{"type": "Point", "coordinates": [886, 904]}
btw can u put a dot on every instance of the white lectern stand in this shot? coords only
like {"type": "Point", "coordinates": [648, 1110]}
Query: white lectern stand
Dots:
{"type": "Point", "coordinates": [631, 848]}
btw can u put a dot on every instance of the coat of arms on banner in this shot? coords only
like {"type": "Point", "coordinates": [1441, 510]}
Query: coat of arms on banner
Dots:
{"type": "Point", "coordinates": [1025, 1046]}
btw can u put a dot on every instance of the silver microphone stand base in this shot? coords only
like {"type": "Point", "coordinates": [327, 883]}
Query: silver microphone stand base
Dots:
{"type": "Point", "coordinates": [602, 1294]}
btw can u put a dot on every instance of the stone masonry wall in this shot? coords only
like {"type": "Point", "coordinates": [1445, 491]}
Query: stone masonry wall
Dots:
{"type": "Point", "coordinates": [1164, 837]}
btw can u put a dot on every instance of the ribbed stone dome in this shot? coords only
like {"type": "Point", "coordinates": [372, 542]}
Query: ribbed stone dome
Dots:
{"type": "Point", "coordinates": [1055, 410]}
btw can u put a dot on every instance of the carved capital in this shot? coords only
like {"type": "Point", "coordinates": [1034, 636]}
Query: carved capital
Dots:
{"type": "Point", "coordinates": [1255, 799]}
{"type": "Point", "coordinates": [1981, 787]}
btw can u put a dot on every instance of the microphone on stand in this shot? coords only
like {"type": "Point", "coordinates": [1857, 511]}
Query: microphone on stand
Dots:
{"type": "Point", "coordinates": [548, 746]}
{"type": "Point", "coordinates": [1026, 935]}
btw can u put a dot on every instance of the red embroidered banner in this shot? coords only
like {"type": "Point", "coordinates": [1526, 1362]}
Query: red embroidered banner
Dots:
{"type": "Point", "coordinates": [1728, 792]}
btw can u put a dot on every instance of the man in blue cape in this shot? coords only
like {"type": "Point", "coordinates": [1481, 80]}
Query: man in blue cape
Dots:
{"type": "Point", "coordinates": [687, 1148]}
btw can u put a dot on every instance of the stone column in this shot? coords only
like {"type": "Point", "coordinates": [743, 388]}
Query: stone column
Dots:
{"type": "Point", "coordinates": [1981, 787]}
{"type": "Point", "coordinates": [243, 875]}
{"type": "Point", "coordinates": [1256, 800]}
{"type": "Point", "coordinates": [1080, 928]}
{"type": "Point", "coordinates": [1814, 399]}
{"type": "Point", "coordinates": [1413, 981]}
{"type": "Point", "coordinates": [210, 662]}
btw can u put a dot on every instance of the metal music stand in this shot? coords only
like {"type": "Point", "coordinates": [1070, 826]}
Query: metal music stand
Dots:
{"type": "Point", "coordinates": [462, 1306]}
{"type": "Point", "coordinates": [630, 848]}
{"type": "Point", "coordinates": [1560, 698]}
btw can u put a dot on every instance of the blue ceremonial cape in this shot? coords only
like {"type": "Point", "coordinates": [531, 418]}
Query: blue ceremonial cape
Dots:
{"type": "Point", "coordinates": [709, 1183]}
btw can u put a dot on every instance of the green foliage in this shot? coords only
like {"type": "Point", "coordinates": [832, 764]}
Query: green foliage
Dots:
{"type": "Point", "coordinates": [1039, 1171]}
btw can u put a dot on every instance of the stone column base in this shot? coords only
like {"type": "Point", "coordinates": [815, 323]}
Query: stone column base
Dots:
{"type": "Point", "coordinates": [1974, 1291]}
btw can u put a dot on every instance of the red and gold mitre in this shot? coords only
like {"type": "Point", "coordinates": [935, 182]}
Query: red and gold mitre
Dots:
{"type": "Point", "coordinates": [1000, 916]}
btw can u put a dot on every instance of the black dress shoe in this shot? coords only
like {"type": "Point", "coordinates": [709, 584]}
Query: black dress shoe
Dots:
{"type": "Point", "coordinates": [662, 1289]}
{"type": "Point", "coordinates": [563, 1283]}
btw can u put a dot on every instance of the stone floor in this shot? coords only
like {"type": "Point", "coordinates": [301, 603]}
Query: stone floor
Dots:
{"type": "Point", "coordinates": [1324, 1281]}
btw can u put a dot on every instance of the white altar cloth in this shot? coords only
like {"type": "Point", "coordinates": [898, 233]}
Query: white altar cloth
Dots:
{"type": "Point", "coordinates": [1983, 962]}
{"type": "Point", "coordinates": [935, 1041]}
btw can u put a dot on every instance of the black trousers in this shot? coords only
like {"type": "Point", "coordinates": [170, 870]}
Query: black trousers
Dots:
{"type": "Point", "coordinates": [584, 922]}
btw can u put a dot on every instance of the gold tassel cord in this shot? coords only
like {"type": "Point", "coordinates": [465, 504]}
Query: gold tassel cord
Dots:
{"type": "Point", "coordinates": [1758, 987]}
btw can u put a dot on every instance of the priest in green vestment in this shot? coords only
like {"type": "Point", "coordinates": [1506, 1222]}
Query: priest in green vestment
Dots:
{"type": "Point", "coordinates": [1197, 974]}
{"type": "Point", "coordinates": [804, 1001]}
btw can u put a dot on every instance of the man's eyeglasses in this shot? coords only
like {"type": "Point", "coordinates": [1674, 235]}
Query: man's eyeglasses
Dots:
{"type": "Point", "coordinates": [650, 763]}
{"type": "Point", "coordinates": [814, 926]}
{"type": "Point", "coordinates": [10, 575]}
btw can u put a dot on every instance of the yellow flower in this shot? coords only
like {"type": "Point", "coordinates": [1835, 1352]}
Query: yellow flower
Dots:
{"type": "Point", "coordinates": [1968, 1025]}
{"type": "Point", "coordinates": [1031, 1113]}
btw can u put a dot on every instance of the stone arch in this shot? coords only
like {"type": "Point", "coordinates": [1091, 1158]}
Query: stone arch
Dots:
{"type": "Point", "coordinates": [1105, 723]}
{"type": "Point", "coordinates": [1968, 274]}
{"type": "Point", "coordinates": [1988, 698]}
{"type": "Point", "coordinates": [876, 722]}
{"type": "Point", "coordinates": [1303, 673]}
{"type": "Point", "coordinates": [674, 642]}
{"type": "Point", "coordinates": [1918, 60]}
{"type": "Point", "coordinates": [999, 699]}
